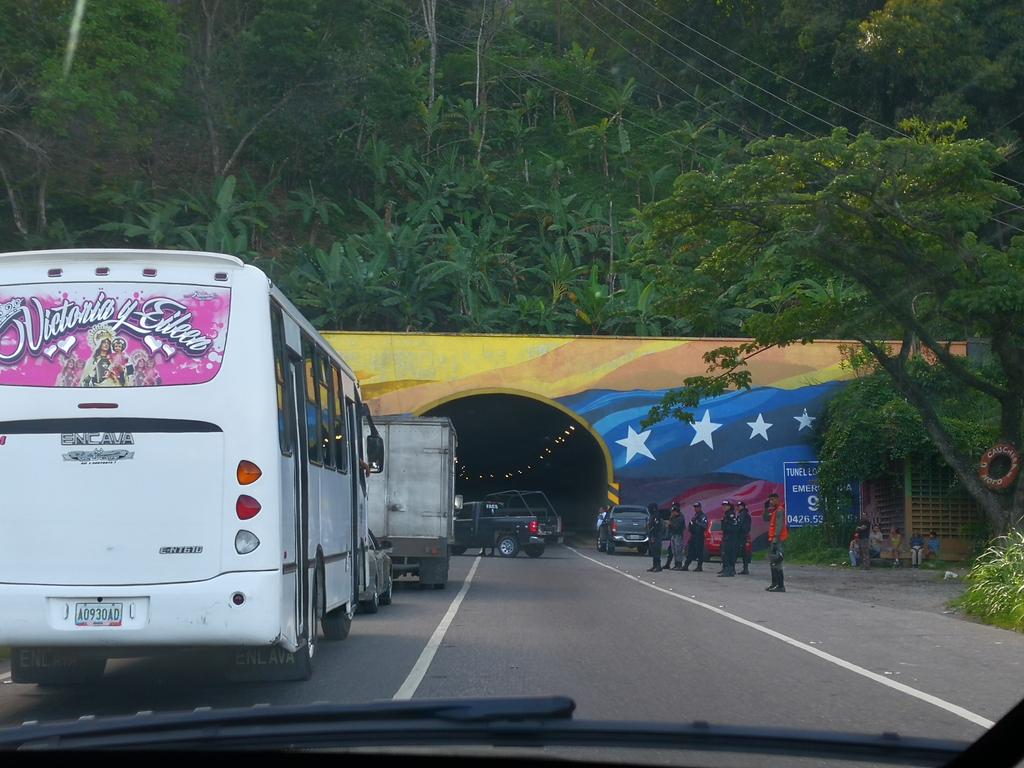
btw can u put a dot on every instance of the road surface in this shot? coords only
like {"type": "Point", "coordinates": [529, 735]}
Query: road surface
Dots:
{"type": "Point", "coordinates": [625, 644]}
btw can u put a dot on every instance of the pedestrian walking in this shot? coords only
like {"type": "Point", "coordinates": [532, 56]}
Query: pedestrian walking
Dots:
{"type": "Point", "coordinates": [730, 535]}
{"type": "Point", "coordinates": [676, 531]}
{"type": "Point", "coordinates": [655, 536]}
{"type": "Point", "coordinates": [864, 539]}
{"type": "Point", "coordinates": [896, 538]}
{"type": "Point", "coordinates": [695, 547]}
{"type": "Point", "coordinates": [778, 532]}
{"type": "Point", "coordinates": [745, 521]}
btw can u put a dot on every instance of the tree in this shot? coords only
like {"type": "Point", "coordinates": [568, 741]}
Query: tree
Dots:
{"type": "Point", "coordinates": [858, 238]}
{"type": "Point", "coordinates": [56, 128]}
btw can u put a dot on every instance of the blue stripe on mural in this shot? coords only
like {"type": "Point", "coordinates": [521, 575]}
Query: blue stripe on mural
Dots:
{"type": "Point", "coordinates": [768, 464]}
{"type": "Point", "coordinates": [613, 414]}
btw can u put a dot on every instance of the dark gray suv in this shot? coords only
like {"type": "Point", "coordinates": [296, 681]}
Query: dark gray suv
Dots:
{"type": "Point", "coordinates": [625, 526]}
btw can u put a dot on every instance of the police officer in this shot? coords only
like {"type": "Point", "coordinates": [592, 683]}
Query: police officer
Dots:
{"type": "Point", "coordinates": [745, 521]}
{"type": "Point", "coordinates": [655, 535]}
{"type": "Point", "coordinates": [695, 547]}
{"type": "Point", "coordinates": [730, 534]}
{"type": "Point", "coordinates": [676, 531]}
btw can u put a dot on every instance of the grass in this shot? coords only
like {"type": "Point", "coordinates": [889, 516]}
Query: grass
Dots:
{"type": "Point", "coordinates": [995, 584]}
{"type": "Point", "coordinates": [5, 653]}
{"type": "Point", "coordinates": [809, 547]}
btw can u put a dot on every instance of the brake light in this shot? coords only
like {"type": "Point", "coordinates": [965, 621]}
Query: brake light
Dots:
{"type": "Point", "coordinates": [534, 527]}
{"type": "Point", "coordinates": [615, 526]}
{"type": "Point", "coordinates": [247, 472]}
{"type": "Point", "coordinates": [247, 507]}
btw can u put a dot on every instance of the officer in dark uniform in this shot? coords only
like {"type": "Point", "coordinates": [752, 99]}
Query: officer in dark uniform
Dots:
{"type": "Point", "coordinates": [695, 546]}
{"type": "Point", "coordinates": [655, 535]}
{"type": "Point", "coordinates": [745, 521]}
{"type": "Point", "coordinates": [675, 530]}
{"type": "Point", "coordinates": [730, 533]}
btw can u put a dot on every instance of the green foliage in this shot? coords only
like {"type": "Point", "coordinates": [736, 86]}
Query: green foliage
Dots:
{"type": "Point", "coordinates": [995, 591]}
{"type": "Point", "coordinates": [815, 546]}
{"type": "Point", "coordinates": [125, 69]}
{"type": "Point", "coordinates": [869, 429]}
{"type": "Point", "coordinates": [517, 213]}
{"type": "Point", "coordinates": [872, 240]}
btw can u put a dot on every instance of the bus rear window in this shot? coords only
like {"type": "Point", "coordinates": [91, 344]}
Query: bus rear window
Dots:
{"type": "Point", "coordinates": [111, 334]}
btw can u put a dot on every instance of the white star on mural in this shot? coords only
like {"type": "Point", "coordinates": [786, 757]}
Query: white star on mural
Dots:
{"type": "Point", "coordinates": [805, 421]}
{"type": "Point", "coordinates": [702, 431]}
{"type": "Point", "coordinates": [759, 427]}
{"type": "Point", "coordinates": [636, 443]}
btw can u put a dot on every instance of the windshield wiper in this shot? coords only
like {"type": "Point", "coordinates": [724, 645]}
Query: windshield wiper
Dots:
{"type": "Point", "coordinates": [520, 722]}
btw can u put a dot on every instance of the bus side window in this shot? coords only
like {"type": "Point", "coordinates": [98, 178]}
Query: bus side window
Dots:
{"type": "Point", "coordinates": [340, 423]}
{"type": "Point", "coordinates": [326, 407]}
{"type": "Point", "coordinates": [284, 396]}
{"type": "Point", "coordinates": [312, 408]}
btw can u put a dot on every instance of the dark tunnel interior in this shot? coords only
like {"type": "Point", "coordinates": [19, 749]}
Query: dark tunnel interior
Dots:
{"type": "Point", "coordinates": [511, 442]}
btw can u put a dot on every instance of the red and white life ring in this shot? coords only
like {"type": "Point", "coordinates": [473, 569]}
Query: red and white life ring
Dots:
{"type": "Point", "coordinates": [985, 469]}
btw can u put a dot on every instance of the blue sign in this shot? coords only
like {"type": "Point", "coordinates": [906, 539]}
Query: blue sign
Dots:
{"type": "Point", "coordinates": [803, 495]}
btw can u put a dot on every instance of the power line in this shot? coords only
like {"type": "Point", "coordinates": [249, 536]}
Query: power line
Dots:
{"type": "Point", "coordinates": [770, 71]}
{"type": "Point", "coordinates": [804, 88]}
{"type": "Point", "coordinates": [570, 94]}
{"type": "Point", "coordinates": [686, 64]}
{"type": "Point", "coordinates": [731, 72]}
{"type": "Point", "coordinates": [685, 147]}
{"type": "Point", "coordinates": [664, 76]}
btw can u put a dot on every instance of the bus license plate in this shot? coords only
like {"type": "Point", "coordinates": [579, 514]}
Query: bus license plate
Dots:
{"type": "Point", "coordinates": [98, 614]}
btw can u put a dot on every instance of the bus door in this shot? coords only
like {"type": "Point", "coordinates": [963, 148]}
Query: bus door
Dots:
{"type": "Point", "coordinates": [360, 569]}
{"type": "Point", "coordinates": [300, 457]}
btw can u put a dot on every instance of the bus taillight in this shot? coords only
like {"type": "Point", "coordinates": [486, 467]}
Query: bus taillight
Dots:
{"type": "Point", "coordinates": [247, 507]}
{"type": "Point", "coordinates": [246, 542]}
{"type": "Point", "coordinates": [247, 472]}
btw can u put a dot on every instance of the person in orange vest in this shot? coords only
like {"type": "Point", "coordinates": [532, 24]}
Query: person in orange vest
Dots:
{"type": "Point", "coordinates": [778, 532]}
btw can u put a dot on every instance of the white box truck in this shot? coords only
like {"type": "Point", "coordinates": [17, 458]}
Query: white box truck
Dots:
{"type": "Point", "coordinates": [412, 502]}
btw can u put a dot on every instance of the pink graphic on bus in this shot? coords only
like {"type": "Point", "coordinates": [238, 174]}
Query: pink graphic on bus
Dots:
{"type": "Point", "coordinates": [117, 335]}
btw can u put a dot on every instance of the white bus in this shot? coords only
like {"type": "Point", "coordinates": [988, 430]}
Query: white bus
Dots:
{"type": "Point", "coordinates": [181, 458]}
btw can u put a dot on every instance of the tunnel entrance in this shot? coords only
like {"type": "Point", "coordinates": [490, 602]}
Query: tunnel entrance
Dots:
{"type": "Point", "coordinates": [513, 442]}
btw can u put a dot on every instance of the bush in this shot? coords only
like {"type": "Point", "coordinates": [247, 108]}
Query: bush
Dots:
{"type": "Point", "coordinates": [811, 545]}
{"type": "Point", "coordinates": [995, 591]}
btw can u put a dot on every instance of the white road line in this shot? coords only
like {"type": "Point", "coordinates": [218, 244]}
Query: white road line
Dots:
{"type": "Point", "coordinates": [419, 669]}
{"type": "Point", "coordinates": [959, 711]}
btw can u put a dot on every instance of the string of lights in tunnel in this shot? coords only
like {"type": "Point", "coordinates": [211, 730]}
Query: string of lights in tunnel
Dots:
{"type": "Point", "coordinates": [548, 452]}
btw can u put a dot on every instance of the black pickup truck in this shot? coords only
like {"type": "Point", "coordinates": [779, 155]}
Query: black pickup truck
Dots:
{"type": "Point", "coordinates": [489, 524]}
{"type": "Point", "coordinates": [524, 503]}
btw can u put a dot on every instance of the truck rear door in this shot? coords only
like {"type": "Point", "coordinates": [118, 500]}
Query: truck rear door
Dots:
{"type": "Point", "coordinates": [631, 526]}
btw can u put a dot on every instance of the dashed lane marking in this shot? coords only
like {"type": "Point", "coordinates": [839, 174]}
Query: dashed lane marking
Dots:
{"type": "Point", "coordinates": [419, 669]}
{"type": "Point", "coordinates": [954, 709]}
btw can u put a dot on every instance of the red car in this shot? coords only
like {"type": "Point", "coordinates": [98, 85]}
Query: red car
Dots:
{"type": "Point", "coordinates": [713, 541]}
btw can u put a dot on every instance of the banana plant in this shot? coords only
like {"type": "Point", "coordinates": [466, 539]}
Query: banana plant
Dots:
{"type": "Point", "coordinates": [593, 304]}
{"type": "Point", "coordinates": [227, 224]}
{"type": "Point", "coordinates": [314, 210]}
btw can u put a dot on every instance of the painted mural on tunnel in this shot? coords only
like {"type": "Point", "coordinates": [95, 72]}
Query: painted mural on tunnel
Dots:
{"type": "Point", "coordinates": [736, 448]}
